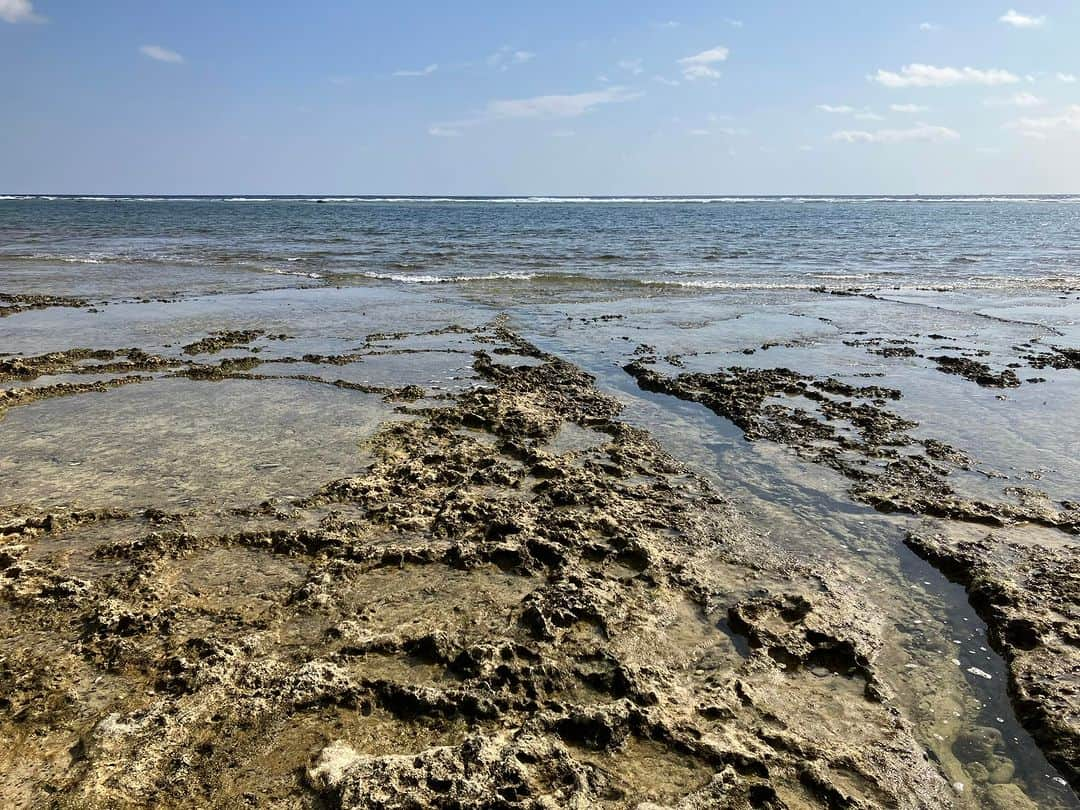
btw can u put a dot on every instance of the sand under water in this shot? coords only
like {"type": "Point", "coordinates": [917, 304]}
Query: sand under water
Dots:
{"type": "Point", "coordinates": [372, 547]}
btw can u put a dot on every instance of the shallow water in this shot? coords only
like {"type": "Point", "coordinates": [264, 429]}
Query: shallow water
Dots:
{"type": "Point", "coordinates": [702, 284]}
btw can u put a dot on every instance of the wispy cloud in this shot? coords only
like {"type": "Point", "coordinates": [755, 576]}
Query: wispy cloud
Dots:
{"type": "Point", "coordinates": [728, 132]}
{"type": "Point", "coordinates": [632, 66]}
{"type": "Point", "coordinates": [1016, 19]}
{"type": "Point", "coordinates": [19, 11]}
{"type": "Point", "coordinates": [551, 107]}
{"type": "Point", "coordinates": [1016, 100]}
{"type": "Point", "coordinates": [668, 24]}
{"type": "Point", "coordinates": [701, 65]}
{"type": "Point", "coordinates": [1067, 121]}
{"type": "Point", "coordinates": [427, 71]}
{"type": "Point", "coordinates": [908, 108]}
{"type": "Point", "coordinates": [161, 54]}
{"type": "Point", "coordinates": [666, 81]}
{"type": "Point", "coordinates": [917, 75]}
{"type": "Point", "coordinates": [1068, 78]}
{"type": "Point", "coordinates": [558, 106]}
{"type": "Point", "coordinates": [734, 23]}
{"type": "Point", "coordinates": [506, 56]}
{"type": "Point", "coordinates": [922, 132]}
{"type": "Point", "coordinates": [928, 26]}
{"type": "Point", "coordinates": [863, 114]}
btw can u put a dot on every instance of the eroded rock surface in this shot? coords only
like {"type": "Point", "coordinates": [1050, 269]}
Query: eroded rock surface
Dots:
{"type": "Point", "coordinates": [1029, 596]}
{"type": "Point", "coordinates": [479, 618]}
{"type": "Point", "coordinates": [851, 429]}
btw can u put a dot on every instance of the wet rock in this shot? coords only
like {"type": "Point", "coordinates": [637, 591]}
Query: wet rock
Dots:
{"type": "Point", "coordinates": [476, 621]}
{"type": "Point", "coordinates": [977, 372]}
{"type": "Point", "coordinates": [218, 341]}
{"type": "Point", "coordinates": [1029, 596]}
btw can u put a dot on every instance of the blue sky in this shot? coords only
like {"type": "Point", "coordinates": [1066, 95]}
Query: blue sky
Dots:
{"type": "Point", "coordinates": [542, 98]}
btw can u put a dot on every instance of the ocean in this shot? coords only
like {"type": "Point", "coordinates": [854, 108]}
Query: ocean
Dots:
{"type": "Point", "coordinates": [322, 302]}
{"type": "Point", "coordinates": [645, 244]}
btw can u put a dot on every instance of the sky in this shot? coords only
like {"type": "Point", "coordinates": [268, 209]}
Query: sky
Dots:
{"type": "Point", "coordinates": [554, 98]}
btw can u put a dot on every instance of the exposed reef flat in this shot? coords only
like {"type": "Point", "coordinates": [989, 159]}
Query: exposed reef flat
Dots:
{"type": "Point", "coordinates": [1029, 596]}
{"type": "Point", "coordinates": [518, 601]}
{"type": "Point", "coordinates": [13, 303]}
{"type": "Point", "coordinates": [851, 429]}
{"type": "Point", "coordinates": [1024, 586]}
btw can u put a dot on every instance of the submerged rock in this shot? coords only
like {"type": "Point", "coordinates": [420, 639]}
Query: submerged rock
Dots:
{"type": "Point", "coordinates": [471, 620]}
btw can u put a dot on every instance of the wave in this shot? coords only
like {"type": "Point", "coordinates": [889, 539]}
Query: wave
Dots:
{"type": "Point", "coordinates": [417, 278]}
{"type": "Point", "coordinates": [872, 283]}
{"type": "Point", "coordinates": [300, 273]}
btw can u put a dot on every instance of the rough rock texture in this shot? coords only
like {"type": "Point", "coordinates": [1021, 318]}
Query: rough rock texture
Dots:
{"type": "Point", "coordinates": [223, 340]}
{"type": "Point", "coordinates": [1029, 596]}
{"type": "Point", "coordinates": [850, 429]}
{"type": "Point", "coordinates": [13, 303]}
{"type": "Point", "coordinates": [977, 372]}
{"type": "Point", "coordinates": [520, 602]}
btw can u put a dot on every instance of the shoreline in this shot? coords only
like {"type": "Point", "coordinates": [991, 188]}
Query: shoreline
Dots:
{"type": "Point", "coordinates": [645, 590]}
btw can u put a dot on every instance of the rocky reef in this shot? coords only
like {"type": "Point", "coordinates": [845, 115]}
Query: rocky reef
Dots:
{"type": "Point", "coordinates": [520, 601]}
{"type": "Point", "coordinates": [1027, 592]}
{"type": "Point", "coordinates": [1029, 597]}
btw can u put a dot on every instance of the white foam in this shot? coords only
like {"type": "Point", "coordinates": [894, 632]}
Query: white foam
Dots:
{"type": "Point", "coordinates": [417, 278]}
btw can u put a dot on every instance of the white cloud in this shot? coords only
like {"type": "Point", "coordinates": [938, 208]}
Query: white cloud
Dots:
{"type": "Point", "coordinates": [427, 71]}
{"type": "Point", "coordinates": [558, 106]}
{"type": "Point", "coordinates": [668, 82]}
{"type": "Point", "coordinates": [536, 108]}
{"type": "Point", "coordinates": [669, 24]}
{"type": "Point", "coordinates": [161, 54]}
{"type": "Point", "coordinates": [1018, 20]}
{"type": "Point", "coordinates": [921, 132]}
{"type": "Point", "coordinates": [928, 26]}
{"type": "Point", "coordinates": [806, 148]}
{"type": "Point", "coordinates": [1068, 120]}
{"type": "Point", "coordinates": [846, 109]}
{"type": "Point", "coordinates": [700, 65]}
{"type": "Point", "coordinates": [908, 108]}
{"type": "Point", "coordinates": [19, 11]}
{"type": "Point", "coordinates": [917, 75]}
{"type": "Point", "coordinates": [734, 23]}
{"type": "Point", "coordinates": [1017, 100]}
{"type": "Point", "coordinates": [1068, 78]}
{"type": "Point", "coordinates": [632, 65]}
{"type": "Point", "coordinates": [507, 56]}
